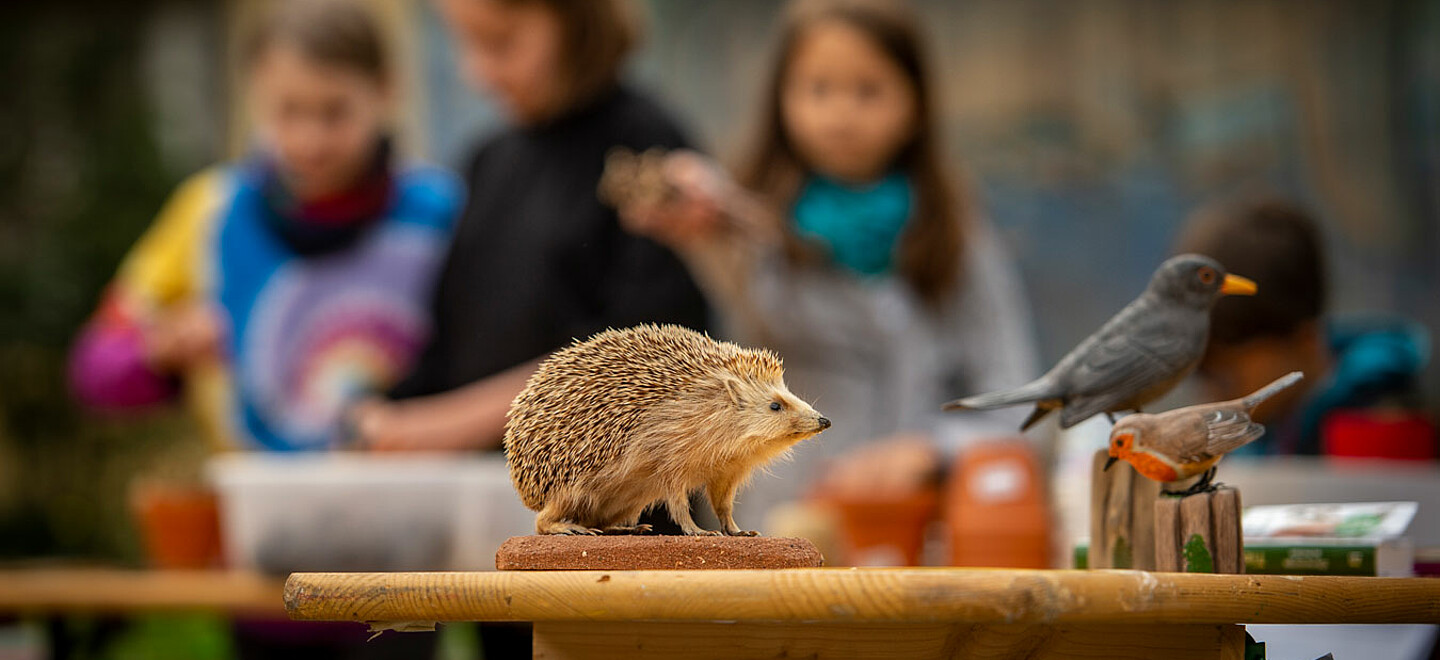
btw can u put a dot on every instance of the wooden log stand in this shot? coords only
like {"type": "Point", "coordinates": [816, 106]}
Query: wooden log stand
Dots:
{"type": "Point", "coordinates": [1134, 525]}
{"type": "Point", "coordinates": [1199, 533]}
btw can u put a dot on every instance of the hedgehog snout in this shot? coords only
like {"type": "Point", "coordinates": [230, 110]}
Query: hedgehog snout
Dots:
{"type": "Point", "coordinates": [824, 423]}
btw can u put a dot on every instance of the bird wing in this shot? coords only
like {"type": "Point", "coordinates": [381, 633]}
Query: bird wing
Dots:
{"type": "Point", "coordinates": [1082, 408]}
{"type": "Point", "coordinates": [1111, 372]}
{"type": "Point", "coordinates": [1227, 430]}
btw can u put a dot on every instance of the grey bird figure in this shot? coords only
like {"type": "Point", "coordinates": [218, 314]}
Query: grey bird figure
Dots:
{"type": "Point", "coordinates": [1137, 356]}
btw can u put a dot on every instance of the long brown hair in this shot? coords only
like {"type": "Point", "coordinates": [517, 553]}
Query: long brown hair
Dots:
{"type": "Point", "coordinates": [931, 249]}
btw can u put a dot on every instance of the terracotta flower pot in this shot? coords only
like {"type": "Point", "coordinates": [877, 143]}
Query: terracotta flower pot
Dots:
{"type": "Point", "coordinates": [885, 531]}
{"type": "Point", "coordinates": [995, 507]}
{"type": "Point", "coordinates": [179, 525]}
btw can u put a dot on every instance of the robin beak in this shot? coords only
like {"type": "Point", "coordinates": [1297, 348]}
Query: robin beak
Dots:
{"type": "Point", "coordinates": [1234, 285]}
{"type": "Point", "coordinates": [1109, 463]}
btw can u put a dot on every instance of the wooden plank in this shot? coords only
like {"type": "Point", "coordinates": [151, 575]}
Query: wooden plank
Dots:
{"type": "Point", "coordinates": [1240, 541]}
{"type": "Point", "coordinates": [1117, 516]}
{"type": "Point", "coordinates": [894, 595]}
{"type": "Point", "coordinates": [1225, 529]}
{"type": "Point", "coordinates": [1143, 494]}
{"type": "Point", "coordinates": [1167, 534]}
{"type": "Point", "coordinates": [1195, 522]}
{"type": "Point", "coordinates": [101, 590]}
{"type": "Point", "coordinates": [1232, 643]}
{"type": "Point", "coordinates": [716, 641]}
{"type": "Point", "coordinates": [1100, 480]}
{"type": "Point", "coordinates": [1121, 511]}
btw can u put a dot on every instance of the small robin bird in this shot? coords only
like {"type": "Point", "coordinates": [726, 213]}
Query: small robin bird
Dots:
{"type": "Point", "coordinates": [1137, 356]}
{"type": "Point", "coordinates": [1185, 442]}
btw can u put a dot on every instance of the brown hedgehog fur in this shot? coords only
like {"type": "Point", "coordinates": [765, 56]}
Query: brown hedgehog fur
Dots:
{"type": "Point", "coordinates": [630, 418]}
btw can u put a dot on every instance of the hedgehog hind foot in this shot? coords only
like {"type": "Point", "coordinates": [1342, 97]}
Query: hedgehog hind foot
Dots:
{"type": "Point", "coordinates": [701, 531]}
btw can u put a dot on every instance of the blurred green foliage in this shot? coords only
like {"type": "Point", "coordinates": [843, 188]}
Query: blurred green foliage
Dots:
{"type": "Point", "coordinates": [174, 637]}
{"type": "Point", "coordinates": [80, 178]}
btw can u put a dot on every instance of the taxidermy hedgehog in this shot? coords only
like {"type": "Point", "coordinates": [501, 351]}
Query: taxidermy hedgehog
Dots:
{"type": "Point", "coordinates": [632, 418]}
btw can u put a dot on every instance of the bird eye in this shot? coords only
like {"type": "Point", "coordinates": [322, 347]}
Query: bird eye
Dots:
{"type": "Point", "coordinates": [775, 405]}
{"type": "Point", "coordinates": [1207, 275]}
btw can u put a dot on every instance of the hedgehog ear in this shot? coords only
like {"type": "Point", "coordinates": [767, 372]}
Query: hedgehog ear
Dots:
{"type": "Point", "coordinates": [732, 387]}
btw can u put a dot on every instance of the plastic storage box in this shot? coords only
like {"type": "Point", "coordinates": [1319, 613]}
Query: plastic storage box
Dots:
{"type": "Point", "coordinates": [281, 513]}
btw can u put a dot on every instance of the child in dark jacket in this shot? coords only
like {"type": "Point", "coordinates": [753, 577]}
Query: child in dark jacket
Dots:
{"type": "Point", "coordinates": [537, 260]}
{"type": "Point", "coordinates": [1361, 374]}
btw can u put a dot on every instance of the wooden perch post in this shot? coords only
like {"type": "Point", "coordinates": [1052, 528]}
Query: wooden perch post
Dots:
{"type": "Point", "coordinates": [1199, 533]}
{"type": "Point", "coordinates": [1122, 517]}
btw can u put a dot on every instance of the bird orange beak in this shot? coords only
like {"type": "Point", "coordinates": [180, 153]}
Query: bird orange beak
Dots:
{"type": "Point", "coordinates": [1234, 285]}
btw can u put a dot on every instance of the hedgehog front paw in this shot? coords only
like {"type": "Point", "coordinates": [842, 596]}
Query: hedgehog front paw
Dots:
{"type": "Point", "coordinates": [701, 532]}
{"type": "Point", "coordinates": [742, 532]}
{"type": "Point", "coordinates": [551, 527]}
{"type": "Point", "coordinates": [640, 529]}
{"type": "Point", "coordinates": [578, 530]}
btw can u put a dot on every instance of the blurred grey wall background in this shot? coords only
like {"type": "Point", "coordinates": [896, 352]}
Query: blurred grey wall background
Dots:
{"type": "Point", "coordinates": [1093, 128]}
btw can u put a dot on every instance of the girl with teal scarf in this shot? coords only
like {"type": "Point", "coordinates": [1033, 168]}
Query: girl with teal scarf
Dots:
{"type": "Point", "coordinates": [859, 225]}
{"type": "Point", "coordinates": [844, 244]}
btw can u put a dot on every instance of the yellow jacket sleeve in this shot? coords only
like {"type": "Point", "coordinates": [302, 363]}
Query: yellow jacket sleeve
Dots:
{"type": "Point", "coordinates": [164, 266]}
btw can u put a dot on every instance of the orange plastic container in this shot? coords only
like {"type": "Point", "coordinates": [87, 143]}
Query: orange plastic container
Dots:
{"type": "Point", "coordinates": [884, 532]}
{"type": "Point", "coordinates": [179, 525]}
{"type": "Point", "coordinates": [995, 507]}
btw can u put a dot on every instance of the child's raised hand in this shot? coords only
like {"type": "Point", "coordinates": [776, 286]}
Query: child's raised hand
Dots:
{"type": "Point", "coordinates": [671, 198]}
{"type": "Point", "coordinates": [183, 336]}
{"type": "Point", "coordinates": [470, 417]}
{"type": "Point", "coordinates": [387, 426]}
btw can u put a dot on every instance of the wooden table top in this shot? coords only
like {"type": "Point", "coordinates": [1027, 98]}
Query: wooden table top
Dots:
{"type": "Point", "coordinates": [123, 591]}
{"type": "Point", "coordinates": [897, 595]}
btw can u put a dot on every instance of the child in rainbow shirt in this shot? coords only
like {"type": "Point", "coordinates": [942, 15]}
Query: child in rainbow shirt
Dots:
{"type": "Point", "coordinates": [275, 291]}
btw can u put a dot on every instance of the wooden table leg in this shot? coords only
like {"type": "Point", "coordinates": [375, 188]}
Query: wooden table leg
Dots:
{"type": "Point", "coordinates": [704, 641]}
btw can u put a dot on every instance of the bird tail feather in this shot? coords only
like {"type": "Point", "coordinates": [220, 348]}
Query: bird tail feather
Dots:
{"type": "Point", "coordinates": [1272, 389]}
{"type": "Point", "coordinates": [1036, 390]}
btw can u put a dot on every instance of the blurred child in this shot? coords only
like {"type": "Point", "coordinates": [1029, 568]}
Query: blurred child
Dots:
{"type": "Point", "coordinates": [280, 288]}
{"type": "Point", "coordinates": [1349, 364]}
{"type": "Point", "coordinates": [537, 260]}
{"type": "Point", "coordinates": [871, 273]}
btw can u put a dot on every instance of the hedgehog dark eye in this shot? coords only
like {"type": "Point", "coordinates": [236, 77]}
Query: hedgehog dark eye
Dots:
{"type": "Point", "coordinates": [1207, 275]}
{"type": "Point", "coordinates": [775, 405]}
